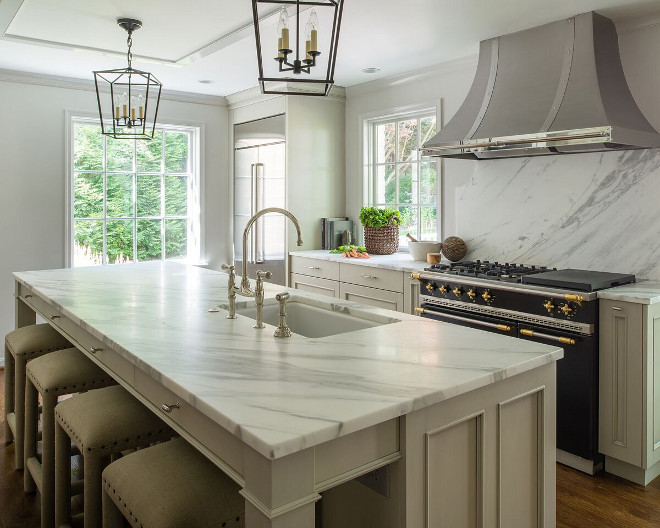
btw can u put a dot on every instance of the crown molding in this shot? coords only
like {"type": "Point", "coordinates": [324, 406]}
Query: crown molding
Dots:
{"type": "Point", "coordinates": [638, 23]}
{"type": "Point", "coordinates": [253, 96]}
{"type": "Point", "coordinates": [414, 76]}
{"type": "Point", "coordinates": [55, 81]}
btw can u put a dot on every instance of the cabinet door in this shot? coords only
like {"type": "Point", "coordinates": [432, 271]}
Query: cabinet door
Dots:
{"type": "Point", "coordinates": [410, 294]}
{"type": "Point", "coordinates": [621, 381]}
{"type": "Point", "coordinates": [652, 344]}
{"type": "Point", "coordinates": [372, 296]}
{"type": "Point", "coordinates": [315, 285]}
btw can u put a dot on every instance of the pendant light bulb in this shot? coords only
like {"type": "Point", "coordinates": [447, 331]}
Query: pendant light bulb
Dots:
{"type": "Point", "coordinates": [311, 30]}
{"type": "Point", "coordinates": [283, 28]}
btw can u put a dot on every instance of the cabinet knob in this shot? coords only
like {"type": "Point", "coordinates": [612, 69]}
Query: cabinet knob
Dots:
{"type": "Point", "coordinates": [168, 408]}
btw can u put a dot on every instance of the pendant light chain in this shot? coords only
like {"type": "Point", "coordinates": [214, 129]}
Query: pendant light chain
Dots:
{"type": "Point", "coordinates": [129, 43]}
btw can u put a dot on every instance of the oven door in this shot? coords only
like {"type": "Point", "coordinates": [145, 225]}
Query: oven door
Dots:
{"type": "Point", "coordinates": [463, 318]}
{"type": "Point", "coordinates": [577, 388]}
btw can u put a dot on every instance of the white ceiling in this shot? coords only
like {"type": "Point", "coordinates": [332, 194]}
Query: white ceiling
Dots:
{"type": "Point", "coordinates": [185, 42]}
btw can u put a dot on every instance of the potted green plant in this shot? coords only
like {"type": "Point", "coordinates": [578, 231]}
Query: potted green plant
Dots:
{"type": "Point", "coordinates": [381, 230]}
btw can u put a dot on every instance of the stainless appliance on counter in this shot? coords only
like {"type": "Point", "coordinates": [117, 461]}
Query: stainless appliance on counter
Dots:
{"type": "Point", "coordinates": [260, 183]}
{"type": "Point", "coordinates": [549, 306]}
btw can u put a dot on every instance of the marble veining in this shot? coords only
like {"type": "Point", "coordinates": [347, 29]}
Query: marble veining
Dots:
{"type": "Point", "coordinates": [595, 211]}
{"type": "Point", "coordinates": [396, 262]}
{"type": "Point", "coordinates": [277, 395]}
{"type": "Point", "coordinates": [646, 292]}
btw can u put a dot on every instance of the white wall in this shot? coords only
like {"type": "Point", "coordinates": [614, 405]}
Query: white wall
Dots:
{"type": "Point", "coordinates": [447, 83]}
{"type": "Point", "coordinates": [32, 161]}
{"type": "Point", "coordinates": [470, 188]}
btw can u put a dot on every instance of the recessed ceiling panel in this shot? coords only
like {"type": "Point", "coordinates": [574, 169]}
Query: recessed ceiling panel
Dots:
{"type": "Point", "coordinates": [171, 29]}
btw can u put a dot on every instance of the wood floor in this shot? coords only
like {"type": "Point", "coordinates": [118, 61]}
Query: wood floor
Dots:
{"type": "Point", "coordinates": [603, 501]}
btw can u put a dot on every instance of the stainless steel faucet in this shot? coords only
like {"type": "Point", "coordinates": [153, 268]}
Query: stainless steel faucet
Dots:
{"type": "Point", "coordinates": [245, 281]}
{"type": "Point", "coordinates": [245, 290]}
{"type": "Point", "coordinates": [282, 329]}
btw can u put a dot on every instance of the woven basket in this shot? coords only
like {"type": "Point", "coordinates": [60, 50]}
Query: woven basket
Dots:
{"type": "Point", "coordinates": [382, 240]}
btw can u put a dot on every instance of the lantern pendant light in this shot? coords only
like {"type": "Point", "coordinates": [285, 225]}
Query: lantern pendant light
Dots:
{"type": "Point", "coordinates": [296, 55]}
{"type": "Point", "coordinates": [130, 97]}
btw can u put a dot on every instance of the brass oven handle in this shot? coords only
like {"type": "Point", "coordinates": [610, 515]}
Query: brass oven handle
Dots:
{"type": "Point", "coordinates": [563, 340]}
{"type": "Point", "coordinates": [501, 327]}
{"type": "Point", "coordinates": [575, 298]}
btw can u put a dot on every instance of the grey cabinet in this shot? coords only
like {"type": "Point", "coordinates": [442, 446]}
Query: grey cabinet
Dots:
{"type": "Point", "coordinates": [629, 387]}
{"type": "Point", "coordinates": [379, 287]}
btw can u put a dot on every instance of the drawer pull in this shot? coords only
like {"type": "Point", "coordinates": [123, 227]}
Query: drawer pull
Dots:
{"type": "Point", "coordinates": [368, 277]}
{"type": "Point", "coordinates": [617, 308]}
{"type": "Point", "coordinates": [53, 317]}
{"type": "Point", "coordinates": [313, 267]}
{"type": "Point", "coordinates": [94, 350]}
{"type": "Point", "coordinates": [27, 296]}
{"type": "Point", "coordinates": [168, 408]}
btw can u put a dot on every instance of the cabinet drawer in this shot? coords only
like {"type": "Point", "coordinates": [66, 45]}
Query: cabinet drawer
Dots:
{"type": "Point", "coordinates": [315, 267]}
{"type": "Point", "coordinates": [110, 360]}
{"type": "Point", "coordinates": [372, 296]}
{"type": "Point", "coordinates": [371, 277]}
{"type": "Point", "coordinates": [315, 285]}
{"type": "Point", "coordinates": [191, 423]}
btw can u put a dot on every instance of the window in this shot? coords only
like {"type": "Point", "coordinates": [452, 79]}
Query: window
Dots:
{"type": "Point", "coordinates": [133, 200]}
{"type": "Point", "coordinates": [400, 178]}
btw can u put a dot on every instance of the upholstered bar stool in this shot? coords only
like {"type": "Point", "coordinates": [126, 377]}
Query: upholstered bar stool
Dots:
{"type": "Point", "coordinates": [22, 345]}
{"type": "Point", "coordinates": [52, 375]}
{"type": "Point", "coordinates": [101, 423]}
{"type": "Point", "coordinates": [169, 486]}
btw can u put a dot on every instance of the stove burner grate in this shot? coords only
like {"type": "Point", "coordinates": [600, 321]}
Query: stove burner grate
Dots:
{"type": "Point", "coordinates": [485, 269]}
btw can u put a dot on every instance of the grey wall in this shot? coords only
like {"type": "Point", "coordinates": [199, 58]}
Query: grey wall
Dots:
{"type": "Point", "coordinates": [33, 173]}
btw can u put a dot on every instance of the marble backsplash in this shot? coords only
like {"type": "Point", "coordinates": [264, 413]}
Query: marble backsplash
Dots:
{"type": "Point", "coordinates": [597, 211]}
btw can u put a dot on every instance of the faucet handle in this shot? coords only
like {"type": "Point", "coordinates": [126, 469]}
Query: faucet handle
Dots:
{"type": "Point", "coordinates": [264, 274]}
{"type": "Point", "coordinates": [228, 268]}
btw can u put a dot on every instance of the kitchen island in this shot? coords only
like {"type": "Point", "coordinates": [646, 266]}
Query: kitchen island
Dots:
{"type": "Point", "coordinates": [464, 419]}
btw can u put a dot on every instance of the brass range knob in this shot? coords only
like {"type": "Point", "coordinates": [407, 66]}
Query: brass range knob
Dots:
{"type": "Point", "coordinates": [457, 291]}
{"type": "Point", "coordinates": [472, 294]}
{"type": "Point", "coordinates": [430, 287]}
{"type": "Point", "coordinates": [486, 296]}
{"type": "Point", "coordinates": [549, 306]}
{"type": "Point", "coordinates": [443, 289]}
{"type": "Point", "coordinates": [566, 309]}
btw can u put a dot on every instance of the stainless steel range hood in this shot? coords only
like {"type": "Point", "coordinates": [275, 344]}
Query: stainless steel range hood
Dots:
{"type": "Point", "coordinates": [553, 89]}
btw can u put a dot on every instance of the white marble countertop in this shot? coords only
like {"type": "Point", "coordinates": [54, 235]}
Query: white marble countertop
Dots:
{"type": "Point", "coordinates": [644, 292]}
{"type": "Point", "coordinates": [278, 395]}
{"type": "Point", "coordinates": [397, 261]}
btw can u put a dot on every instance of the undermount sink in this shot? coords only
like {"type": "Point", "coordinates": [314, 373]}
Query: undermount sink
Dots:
{"type": "Point", "coordinates": [312, 320]}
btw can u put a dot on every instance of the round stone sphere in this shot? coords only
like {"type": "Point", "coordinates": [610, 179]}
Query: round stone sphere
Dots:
{"type": "Point", "coordinates": [454, 248]}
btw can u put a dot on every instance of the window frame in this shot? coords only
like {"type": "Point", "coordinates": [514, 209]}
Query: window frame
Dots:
{"type": "Point", "coordinates": [370, 163]}
{"type": "Point", "coordinates": [195, 241]}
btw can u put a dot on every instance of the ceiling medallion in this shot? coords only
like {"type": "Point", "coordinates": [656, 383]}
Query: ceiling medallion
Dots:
{"type": "Point", "coordinates": [300, 60]}
{"type": "Point", "coordinates": [130, 97]}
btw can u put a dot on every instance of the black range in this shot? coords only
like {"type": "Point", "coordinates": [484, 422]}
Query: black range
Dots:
{"type": "Point", "coordinates": [538, 304]}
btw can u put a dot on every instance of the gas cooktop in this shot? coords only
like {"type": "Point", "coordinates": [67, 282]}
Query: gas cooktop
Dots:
{"type": "Point", "coordinates": [489, 270]}
{"type": "Point", "coordinates": [582, 280]}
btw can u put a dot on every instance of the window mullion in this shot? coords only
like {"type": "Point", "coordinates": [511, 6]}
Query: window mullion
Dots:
{"type": "Point", "coordinates": [104, 257]}
{"type": "Point", "coordinates": [162, 198]}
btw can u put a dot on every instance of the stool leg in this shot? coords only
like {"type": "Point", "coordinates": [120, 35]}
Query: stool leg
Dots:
{"type": "Point", "coordinates": [19, 408]}
{"type": "Point", "coordinates": [62, 476]}
{"type": "Point", "coordinates": [31, 412]}
{"type": "Point", "coordinates": [48, 460]}
{"type": "Point", "coordinates": [9, 393]}
{"type": "Point", "coordinates": [92, 494]}
{"type": "Point", "coordinates": [112, 517]}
